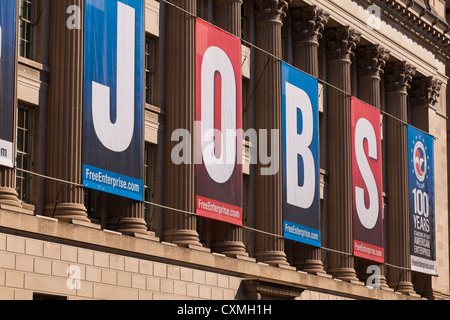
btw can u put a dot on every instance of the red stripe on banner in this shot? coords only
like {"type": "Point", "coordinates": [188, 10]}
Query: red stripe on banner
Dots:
{"type": "Point", "coordinates": [367, 180]}
{"type": "Point", "coordinates": [217, 210]}
{"type": "Point", "coordinates": [218, 175]}
{"type": "Point", "coordinates": [368, 251]}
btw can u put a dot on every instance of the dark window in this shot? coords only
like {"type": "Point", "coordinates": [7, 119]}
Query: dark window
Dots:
{"type": "Point", "coordinates": [27, 28]}
{"type": "Point", "coordinates": [24, 158]}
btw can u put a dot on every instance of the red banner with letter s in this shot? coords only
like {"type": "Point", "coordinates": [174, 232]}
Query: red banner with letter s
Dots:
{"type": "Point", "coordinates": [367, 182]}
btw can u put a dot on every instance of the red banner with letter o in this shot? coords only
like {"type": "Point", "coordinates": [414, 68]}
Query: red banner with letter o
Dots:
{"type": "Point", "coordinates": [218, 139]}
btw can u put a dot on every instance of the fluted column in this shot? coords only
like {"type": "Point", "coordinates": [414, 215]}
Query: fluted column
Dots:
{"type": "Point", "coordinates": [424, 95]}
{"type": "Point", "coordinates": [133, 222]}
{"type": "Point", "coordinates": [308, 25]}
{"type": "Point", "coordinates": [65, 108]}
{"type": "Point", "coordinates": [226, 238]}
{"type": "Point", "coordinates": [398, 79]}
{"type": "Point", "coordinates": [341, 43]}
{"type": "Point", "coordinates": [371, 61]}
{"type": "Point", "coordinates": [268, 188]}
{"type": "Point", "coordinates": [8, 193]}
{"type": "Point", "coordinates": [227, 15]}
{"type": "Point", "coordinates": [179, 187]}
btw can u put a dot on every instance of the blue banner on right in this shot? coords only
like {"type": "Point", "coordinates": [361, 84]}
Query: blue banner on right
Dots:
{"type": "Point", "coordinates": [421, 201]}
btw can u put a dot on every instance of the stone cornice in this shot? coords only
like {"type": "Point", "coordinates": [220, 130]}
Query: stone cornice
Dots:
{"type": "Point", "coordinates": [430, 27]}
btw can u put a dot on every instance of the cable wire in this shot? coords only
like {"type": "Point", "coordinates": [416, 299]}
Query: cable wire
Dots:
{"type": "Point", "coordinates": [168, 208]}
{"type": "Point", "coordinates": [322, 81]}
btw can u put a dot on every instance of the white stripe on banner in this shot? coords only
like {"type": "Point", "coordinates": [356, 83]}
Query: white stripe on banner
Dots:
{"type": "Point", "coordinates": [99, 4]}
{"type": "Point", "coordinates": [117, 136]}
{"type": "Point", "coordinates": [423, 265]}
{"type": "Point", "coordinates": [6, 153]}
{"type": "Point", "coordinates": [1, 36]}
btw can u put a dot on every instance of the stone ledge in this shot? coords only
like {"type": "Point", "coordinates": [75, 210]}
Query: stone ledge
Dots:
{"type": "Point", "coordinates": [16, 209]}
{"type": "Point", "coordinates": [91, 238]}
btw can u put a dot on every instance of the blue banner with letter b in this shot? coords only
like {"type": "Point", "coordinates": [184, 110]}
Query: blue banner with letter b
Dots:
{"type": "Point", "coordinates": [301, 168]}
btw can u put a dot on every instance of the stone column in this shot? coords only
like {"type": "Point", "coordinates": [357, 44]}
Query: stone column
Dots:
{"type": "Point", "coordinates": [424, 95]}
{"type": "Point", "coordinates": [269, 15]}
{"type": "Point", "coordinates": [341, 43]}
{"type": "Point", "coordinates": [65, 111]}
{"type": "Point", "coordinates": [226, 238]}
{"type": "Point", "coordinates": [398, 78]}
{"type": "Point", "coordinates": [371, 61]}
{"type": "Point", "coordinates": [8, 193]}
{"type": "Point", "coordinates": [125, 216]}
{"type": "Point", "coordinates": [227, 15]}
{"type": "Point", "coordinates": [132, 222]}
{"type": "Point", "coordinates": [308, 25]}
{"type": "Point", "coordinates": [179, 187]}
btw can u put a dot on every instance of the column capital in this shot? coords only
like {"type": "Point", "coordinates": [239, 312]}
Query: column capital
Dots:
{"type": "Point", "coordinates": [425, 91]}
{"type": "Point", "coordinates": [399, 76]}
{"type": "Point", "coordinates": [371, 60]}
{"type": "Point", "coordinates": [342, 42]}
{"type": "Point", "coordinates": [309, 24]}
{"type": "Point", "coordinates": [271, 10]}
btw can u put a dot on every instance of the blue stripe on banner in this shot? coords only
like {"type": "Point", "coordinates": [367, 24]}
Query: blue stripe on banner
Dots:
{"type": "Point", "coordinates": [8, 21]}
{"type": "Point", "coordinates": [114, 183]}
{"type": "Point", "coordinates": [113, 113]}
{"type": "Point", "coordinates": [300, 158]}
{"type": "Point", "coordinates": [302, 234]}
{"type": "Point", "coordinates": [422, 201]}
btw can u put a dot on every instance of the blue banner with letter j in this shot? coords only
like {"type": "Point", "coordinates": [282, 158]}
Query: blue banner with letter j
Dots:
{"type": "Point", "coordinates": [113, 116]}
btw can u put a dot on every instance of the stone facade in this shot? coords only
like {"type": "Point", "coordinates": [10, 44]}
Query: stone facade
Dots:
{"type": "Point", "coordinates": [60, 246]}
